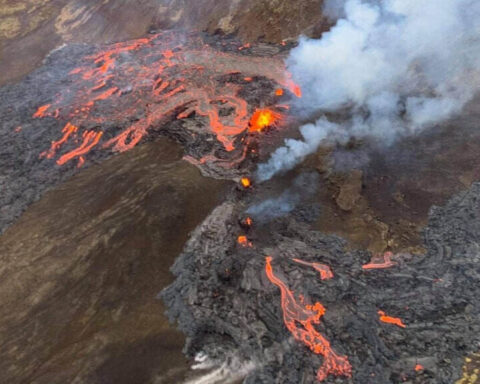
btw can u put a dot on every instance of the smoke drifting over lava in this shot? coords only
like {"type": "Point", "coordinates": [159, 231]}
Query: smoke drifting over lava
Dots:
{"type": "Point", "coordinates": [395, 72]}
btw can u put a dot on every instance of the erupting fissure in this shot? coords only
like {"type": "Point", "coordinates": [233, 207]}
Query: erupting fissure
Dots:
{"type": "Point", "coordinates": [300, 320]}
{"type": "Point", "coordinates": [151, 80]}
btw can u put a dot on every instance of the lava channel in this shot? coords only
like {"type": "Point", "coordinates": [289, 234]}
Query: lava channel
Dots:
{"type": "Point", "coordinates": [300, 320]}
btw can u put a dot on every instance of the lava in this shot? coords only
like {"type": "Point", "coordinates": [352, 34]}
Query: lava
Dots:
{"type": "Point", "coordinates": [90, 140]}
{"type": "Point", "coordinates": [68, 130]}
{"type": "Point", "coordinates": [246, 183]}
{"type": "Point", "coordinates": [41, 111]}
{"type": "Point", "coordinates": [324, 270]}
{"type": "Point", "coordinates": [151, 81]}
{"type": "Point", "coordinates": [300, 320]}
{"type": "Point", "coordinates": [243, 241]}
{"type": "Point", "coordinates": [386, 263]}
{"type": "Point", "coordinates": [263, 118]}
{"type": "Point", "coordinates": [391, 320]}
{"type": "Point", "coordinates": [279, 92]}
{"type": "Point", "coordinates": [419, 367]}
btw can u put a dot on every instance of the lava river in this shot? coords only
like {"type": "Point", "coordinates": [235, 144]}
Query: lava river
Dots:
{"type": "Point", "coordinates": [300, 320]}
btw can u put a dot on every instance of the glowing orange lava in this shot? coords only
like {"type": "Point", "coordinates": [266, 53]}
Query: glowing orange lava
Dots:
{"type": "Point", "coordinates": [391, 320]}
{"type": "Point", "coordinates": [263, 118]}
{"type": "Point", "coordinates": [248, 221]}
{"type": "Point", "coordinates": [385, 263]}
{"type": "Point", "coordinates": [68, 130]}
{"type": "Point", "coordinates": [419, 367]}
{"type": "Point", "coordinates": [243, 241]}
{"type": "Point", "coordinates": [300, 320]}
{"type": "Point", "coordinates": [245, 181]}
{"type": "Point", "coordinates": [279, 92]}
{"type": "Point", "coordinates": [150, 81]}
{"type": "Point", "coordinates": [90, 140]}
{"type": "Point", "coordinates": [41, 111]}
{"type": "Point", "coordinates": [324, 270]}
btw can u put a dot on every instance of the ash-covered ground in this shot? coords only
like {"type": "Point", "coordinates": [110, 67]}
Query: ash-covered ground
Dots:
{"type": "Point", "coordinates": [230, 311]}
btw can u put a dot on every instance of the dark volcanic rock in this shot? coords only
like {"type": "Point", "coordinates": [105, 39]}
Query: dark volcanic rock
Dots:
{"type": "Point", "coordinates": [227, 307]}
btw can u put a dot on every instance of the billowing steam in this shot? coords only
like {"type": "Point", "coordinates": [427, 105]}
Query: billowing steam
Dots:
{"type": "Point", "coordinates": [397, 66]}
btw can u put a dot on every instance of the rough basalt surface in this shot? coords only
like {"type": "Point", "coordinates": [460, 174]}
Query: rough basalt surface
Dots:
{"type": "Point", "coordinates": [227, 307]}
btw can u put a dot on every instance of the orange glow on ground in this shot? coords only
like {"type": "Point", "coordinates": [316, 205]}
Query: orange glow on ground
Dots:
{"type": "Point", "coordinates": [41, 111]}
{"type": "Point", "coordinates": [263, 118]}
{"type": "Point", "coordinates": [419, 367]}
{"type": "Point", "coordinates": [300, 320]}
{"type": "Point", "coordinates": [391, 320]}
{"type": "Point", "coordinates": [68, 130]}
{"type": "Point", "coordinates": [279, 92]}
{"type": "Point", "coordinates": [246, 183]}
{"type": "Point", "coordinates": [248, 221]}
{"type": "Point", "coordinates": [90, 140]}
{"type": "Point", "coordinates": [386, 263]}
{"type": "Point", "coordinates": [243, 241]}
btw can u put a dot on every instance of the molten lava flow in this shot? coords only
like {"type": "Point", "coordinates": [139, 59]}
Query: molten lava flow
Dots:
{"type": "Point", "coordinates": [263, 118]}
{"type": "Point", "coordinates": [90, 139]}
{"type": "Point", "coordinates": [325, 271]}
{"type": "Point", "coordinates": [419, 367]}
{"type": "Point", "coordinates": [279, 92]}
{"type": "Point", "coordinates": [41, 111]}
{"type": "Point", "coordinates": [150, 81]}
{"type": "Point", "coordinates": [243, 241]}
{"type": "Point", "coordinates": [248, 221]}
{"type": "Point", "coordinates": [391, 320]}
{"type": "Point", "coordinates": [68, 130]}
{"type": "Point", "coordinates": [300, 320]}
{"type": "Point", "coordinates": [385, 263]}
{"type": "Point", "coordinates": [246, 183]}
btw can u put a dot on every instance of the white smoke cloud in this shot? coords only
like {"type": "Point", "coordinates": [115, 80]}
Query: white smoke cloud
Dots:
{"type": "Point", "coordinates": [398, 65]}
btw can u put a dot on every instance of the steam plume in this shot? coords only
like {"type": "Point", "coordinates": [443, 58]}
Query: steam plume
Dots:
{"type": "Point", "coordinates": [397, 65]}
